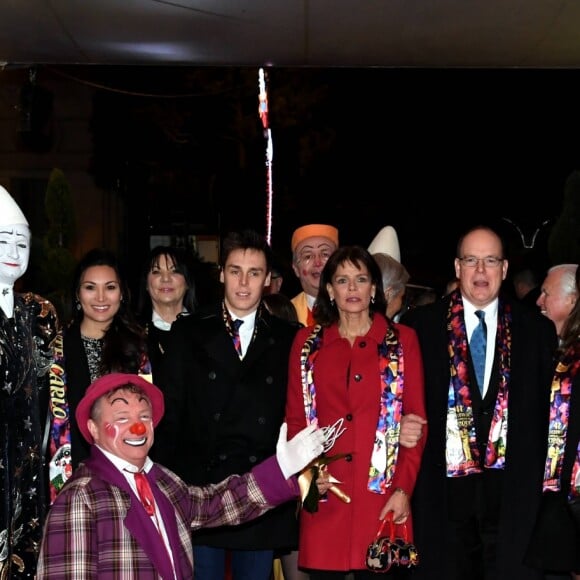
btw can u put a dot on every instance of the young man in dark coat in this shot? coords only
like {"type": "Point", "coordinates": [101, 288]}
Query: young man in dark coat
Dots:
{"type": "Point", "coordinates": [225, 392]}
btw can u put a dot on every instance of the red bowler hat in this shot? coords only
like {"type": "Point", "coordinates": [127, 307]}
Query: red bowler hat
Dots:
{"type": "Point", "coordinates": [107, 383]}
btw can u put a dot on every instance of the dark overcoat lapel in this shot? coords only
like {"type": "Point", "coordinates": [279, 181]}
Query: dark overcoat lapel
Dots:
{"type": "Point", "coordinates": [78, 378]}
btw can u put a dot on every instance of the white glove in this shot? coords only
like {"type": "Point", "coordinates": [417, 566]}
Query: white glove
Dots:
{"type": "Point", "coordinates": [297, 453]}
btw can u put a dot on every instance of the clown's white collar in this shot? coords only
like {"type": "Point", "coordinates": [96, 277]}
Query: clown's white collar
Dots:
{"type": "Point", "coordinates": [7, 299]}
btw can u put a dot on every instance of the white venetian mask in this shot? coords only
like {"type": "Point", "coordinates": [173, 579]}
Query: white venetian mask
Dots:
{"type": "Point", "coordinates": [14, 252]}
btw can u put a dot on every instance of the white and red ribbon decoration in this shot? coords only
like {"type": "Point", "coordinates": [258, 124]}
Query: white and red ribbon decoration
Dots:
{"type": "Point", "coordinates": [263, 113]}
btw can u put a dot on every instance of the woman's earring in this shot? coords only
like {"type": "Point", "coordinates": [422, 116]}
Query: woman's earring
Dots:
{"type": "Point", "coordinates": [372, 299]}
{"type": "Point", "coordinates": [78, 305]}
{"type": "Point", "coordinates": [332, 302]}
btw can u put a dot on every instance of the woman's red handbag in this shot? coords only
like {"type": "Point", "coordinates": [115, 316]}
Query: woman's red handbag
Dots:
{"type": "Point", "coordinates": [384, 552]}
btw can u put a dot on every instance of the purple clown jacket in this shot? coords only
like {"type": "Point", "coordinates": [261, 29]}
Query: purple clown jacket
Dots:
{"type": "Point", "coordinates": [97, 528]}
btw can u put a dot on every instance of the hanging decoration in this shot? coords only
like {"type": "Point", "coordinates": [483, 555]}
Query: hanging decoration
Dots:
{"type": "Point", "coordinates": [263, 113]}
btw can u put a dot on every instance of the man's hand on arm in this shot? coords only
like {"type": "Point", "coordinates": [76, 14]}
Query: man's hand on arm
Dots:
{"type": "Point", "coordinates": [411, 430]}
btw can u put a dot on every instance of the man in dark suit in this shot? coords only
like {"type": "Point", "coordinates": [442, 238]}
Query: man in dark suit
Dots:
{"type": "Point", "coordinates": [555, 544]}
{"type": "Point", "coordinates": [478, 488]}
{"type": "Point", "coordinates": [225, 404]}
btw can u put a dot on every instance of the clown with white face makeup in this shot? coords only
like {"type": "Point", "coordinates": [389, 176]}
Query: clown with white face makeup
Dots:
{"type": "Point", "coordinates": [28, 330]}
{"type": "Point", "coordinates": [14, 249]}
{"type": "Point", "coordinates": [122, 515]}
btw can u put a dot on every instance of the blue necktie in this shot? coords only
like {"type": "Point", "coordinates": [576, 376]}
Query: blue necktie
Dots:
{"type": "Point", "coordinates": [477, 346]}
{"type": "Point", "coordinates": [236, 335]}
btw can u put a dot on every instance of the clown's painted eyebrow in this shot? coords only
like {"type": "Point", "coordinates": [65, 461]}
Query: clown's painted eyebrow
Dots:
{"type": "Point", "coordinates": [141, 398]}
{"type": "Point", "coordinates": [113, 401]}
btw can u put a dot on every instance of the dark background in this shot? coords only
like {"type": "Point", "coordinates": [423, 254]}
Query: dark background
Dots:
{"type": "Point", "coordinates": [429, 151]}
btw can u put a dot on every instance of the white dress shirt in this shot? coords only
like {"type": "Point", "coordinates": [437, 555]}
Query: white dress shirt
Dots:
{"type": "Point", "coordinates": [246, 330]}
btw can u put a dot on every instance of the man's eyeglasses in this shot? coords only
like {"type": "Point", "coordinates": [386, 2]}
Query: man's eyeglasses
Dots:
{"type": "Point", "coordinates": [488, 261]}
{"type": "Point", "coordinates": [306, 258]}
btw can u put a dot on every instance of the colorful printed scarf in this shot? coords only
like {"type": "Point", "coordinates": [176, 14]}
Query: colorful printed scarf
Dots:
{"type": "Point", "coordinates": [462, 454]}
{"type": "Point", "coordinates": [391, 369]}
{"type": "Point", "coordinates": [561, 393]}
{"type": "Point", "coordinates": [60, 461]}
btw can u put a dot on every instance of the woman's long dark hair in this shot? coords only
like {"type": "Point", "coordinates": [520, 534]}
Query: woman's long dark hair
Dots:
{"type": "Point", "coordinates": [325, 312]}
{"type": "Point", "coordinates": [124, 342]}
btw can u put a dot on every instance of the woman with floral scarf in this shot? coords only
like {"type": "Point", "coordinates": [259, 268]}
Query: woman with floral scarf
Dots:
{"type": "Point", "coordinates": [354, 373]}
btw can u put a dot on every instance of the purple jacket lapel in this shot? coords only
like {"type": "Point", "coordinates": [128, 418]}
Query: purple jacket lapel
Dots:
{"type": "Point", "coordinates": [167, 511]}
{"type": "Point", "coordinates": [137, 522]}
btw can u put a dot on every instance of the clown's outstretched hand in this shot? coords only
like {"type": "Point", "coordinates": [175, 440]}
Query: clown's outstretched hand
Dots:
{"type": "Point", "coordinates": [297, 453]}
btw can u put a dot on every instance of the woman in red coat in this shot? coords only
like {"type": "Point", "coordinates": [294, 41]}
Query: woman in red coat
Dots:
{"type": "Point", "coordinates": [358, 372]}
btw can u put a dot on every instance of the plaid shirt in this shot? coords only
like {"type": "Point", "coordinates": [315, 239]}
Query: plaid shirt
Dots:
{"type": "Point", "coordinates": [97, 527]}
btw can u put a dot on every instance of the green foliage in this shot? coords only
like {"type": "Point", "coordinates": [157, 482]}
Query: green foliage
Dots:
{"type": "Point", "coordinates": [59, 211]}
{"type": "Point", "coordinates": [564, 240]}
{"type": "Point", "coordinates": [58, 271]}
{"type": "Point", "coordinates": [58, 262]}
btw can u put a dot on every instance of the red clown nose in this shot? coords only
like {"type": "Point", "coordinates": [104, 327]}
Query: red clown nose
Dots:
{"type": "Point", "coordinates": [138, 428]}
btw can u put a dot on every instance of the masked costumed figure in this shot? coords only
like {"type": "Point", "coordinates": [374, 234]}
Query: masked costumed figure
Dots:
{"type": "Point", "coordinates": [28, 326]}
